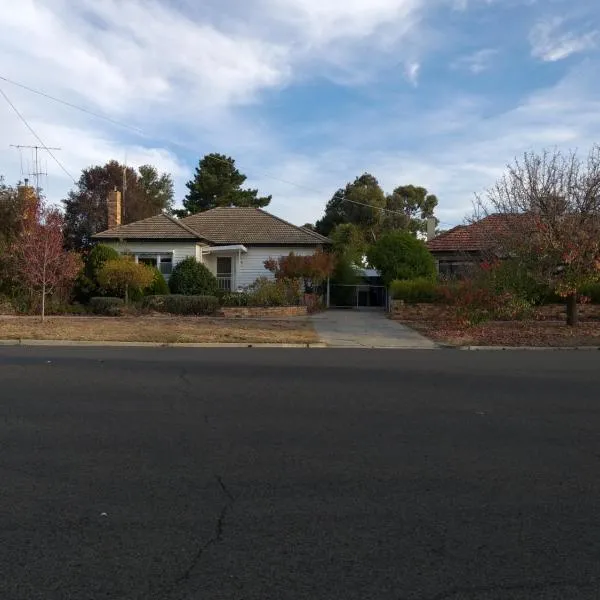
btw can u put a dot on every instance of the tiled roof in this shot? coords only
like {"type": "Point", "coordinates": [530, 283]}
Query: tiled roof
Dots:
{"type": "Point", "coordinates": [478, 236]}
{"type": "Point", "coordinates": [160, 227]}
{"type": "Point", "coordinates": [240, 225]}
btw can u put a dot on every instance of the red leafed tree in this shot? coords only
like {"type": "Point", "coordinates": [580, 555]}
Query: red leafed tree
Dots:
{"type": "Point", "coordinates": [313, 269]}
{"type": "Point", "coordinates": [551, 208]}
{"type": "Point", "coordinates": [42, 263]}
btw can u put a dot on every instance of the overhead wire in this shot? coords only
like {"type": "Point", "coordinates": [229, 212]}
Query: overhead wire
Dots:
{"type": "Point", "coordinates": [37, 137]}
{"type": "Point", "coordinates": [141, 132]}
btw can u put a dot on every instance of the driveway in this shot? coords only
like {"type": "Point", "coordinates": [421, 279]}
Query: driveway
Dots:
{"type": "Point", "coordinates": [366, 329]}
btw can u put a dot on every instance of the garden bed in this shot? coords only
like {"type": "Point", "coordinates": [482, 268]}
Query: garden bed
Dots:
{"type": "Point", "coordinates": [546, 327]}
{"type": "Point", "coordinates": [161, 329]}
{"type": "Point", "coordinates": [552, 334]}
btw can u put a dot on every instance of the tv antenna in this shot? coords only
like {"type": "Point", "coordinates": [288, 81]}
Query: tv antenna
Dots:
{"type": "Point", "coordinates": [36, 173]}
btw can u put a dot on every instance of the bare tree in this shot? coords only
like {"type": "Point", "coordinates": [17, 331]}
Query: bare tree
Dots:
{"type": "Point", "coordinates": [551, 208]}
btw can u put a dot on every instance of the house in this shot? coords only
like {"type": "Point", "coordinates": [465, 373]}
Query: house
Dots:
{"type": "Point", "coordinates": [458, 249]}
{"type": "Point", "coordinates": [232, 242]}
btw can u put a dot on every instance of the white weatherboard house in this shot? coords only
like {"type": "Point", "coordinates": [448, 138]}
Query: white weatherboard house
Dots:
{"type": "Point", "coordinates": [232, 242]}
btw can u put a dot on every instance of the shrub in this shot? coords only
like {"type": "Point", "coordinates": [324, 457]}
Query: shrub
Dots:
{"type": "Point", "coordinates": [178, 304]}
{"type": "Point", "coordinates": [235, 299]}
{"type": "Point", "coordinates": [591, 291]}
{"type": "Point", "coordinates": [414, 291]}
{"type": "Point", "coordinates": [86, 284]}
{"type": "Point", "coordinates": [400, 255]}
{"type": "Point", "coordinates": [281, 292]}
{"type": "Point", "coordinates": [159, 286]}
{"type": "Point", "coordinates": [475, 304]}
{"type": "Point", "coordinates": [107, 306]}
{"type": "Point", "coordinates": [191, 278]}
{"type": "Point", "coordinates": [123, 275]}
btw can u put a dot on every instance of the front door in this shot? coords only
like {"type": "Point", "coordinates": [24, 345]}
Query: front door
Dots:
{"type": "Point", "coordinates": [224, 272]}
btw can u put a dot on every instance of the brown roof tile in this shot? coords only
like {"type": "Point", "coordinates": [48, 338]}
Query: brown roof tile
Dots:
{"type": "Point", "coordinates": [478, 236]}
{"type": "Point", "coordinates": [241, 225]}
{"type": "Point", "coordinates": [160, 227]}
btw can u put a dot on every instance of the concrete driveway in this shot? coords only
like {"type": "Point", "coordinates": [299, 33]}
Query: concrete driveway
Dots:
{"type": "Point", "coordinates": [366, 329]}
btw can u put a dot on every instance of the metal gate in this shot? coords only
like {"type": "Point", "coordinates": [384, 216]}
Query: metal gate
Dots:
{"type": "Point", "coordinates": [357, 296]}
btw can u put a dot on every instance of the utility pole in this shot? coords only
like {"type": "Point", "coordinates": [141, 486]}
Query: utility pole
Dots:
{"type": "Point", "coordinates": [36, 174]}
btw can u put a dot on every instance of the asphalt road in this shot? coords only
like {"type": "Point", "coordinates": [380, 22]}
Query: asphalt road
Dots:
{"type": "Point", "coordinates": [284, 474]}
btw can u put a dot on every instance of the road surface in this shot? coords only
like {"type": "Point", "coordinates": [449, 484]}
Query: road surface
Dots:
{"type": "Point", "coordinates": [250, 474]}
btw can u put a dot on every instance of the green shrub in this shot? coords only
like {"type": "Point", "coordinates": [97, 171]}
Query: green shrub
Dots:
{"type": "Point", "coordinates": [190, 278]}
{"type": "Point", "coordinates": [591, 291]}
{"type": "Point", "coordinates": [58, 307]}
{"type": "Point", "coordinates": [87, 284]}
{"type": "Point", "coordinates": [400, 255]}
{"type": "Point", "coordinates": [279, 292]}
{"type": "Point", "coordinates": [235, 299]}
{"type": "Point", "coordinates": [107, 306]}
{"type": "Point", "coordinates": [159, 286]}
{"type": "Point", "coordinates": [178, 304]}
{"type": "Point", "coordinates": [415, 291]}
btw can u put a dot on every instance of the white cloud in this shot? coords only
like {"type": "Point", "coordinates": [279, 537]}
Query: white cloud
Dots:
{"type": "Point", "coordinates": [550, 44]}
{"type": "Point", "coordinates": [477, 62]}
{"type": "Point", "coordinates": [412, 70]}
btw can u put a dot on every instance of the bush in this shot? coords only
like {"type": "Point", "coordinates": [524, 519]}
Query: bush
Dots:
{"type": "Point", "coordinates": [159, 286]}
{"type": "Point", "coordinates": [190, 278]}
{"type": "Point", "coordinates": [591, 291]}
{"type": "Point", "coordinates": [124, 276]}
{"type": "Point", "coordinates": [235, 299]}
{"type": "Point", "coordinates": [178, 304]}
{"type": "Point", "coordinates": [414, 291]}
{"type": "Point", "coordinates": [475, 304]}
{"type": "Point", "coordinates": [86, 284]}
{"type": "Point", "coordinates": [400, 255]}
{"type": "Point", "coordinates": [107, 306]}
{"type": "Point", "coordinates": [281, 292]}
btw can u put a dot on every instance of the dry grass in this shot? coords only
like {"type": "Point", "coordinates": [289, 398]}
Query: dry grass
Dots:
{"type": "Point", "coordinates": [158, 329]}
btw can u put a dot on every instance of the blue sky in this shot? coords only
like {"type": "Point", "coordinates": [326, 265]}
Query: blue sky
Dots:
{"type": "Point", "coordinates": [305, 94]}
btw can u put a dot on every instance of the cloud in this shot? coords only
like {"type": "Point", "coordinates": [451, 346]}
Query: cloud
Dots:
{"type": "Point", "coordinates": [550, 44]}
{"type": "Point", "coordinates": [412, 70]}
{"type": "Point", "coordinates": [477, 62]}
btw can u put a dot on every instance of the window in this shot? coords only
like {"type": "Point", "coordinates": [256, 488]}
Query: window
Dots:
{"type": "Point", "coordinates": [163, 262]}
{"type": "Point", "coordinates": [166, 265]}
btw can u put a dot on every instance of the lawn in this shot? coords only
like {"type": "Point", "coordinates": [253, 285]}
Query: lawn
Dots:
{"type": "Point", "coordinates": [547, 328]}
{"type": "Point", "coordinates": [163, 329]}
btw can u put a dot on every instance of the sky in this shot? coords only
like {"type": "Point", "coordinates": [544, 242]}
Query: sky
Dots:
{"type": "Point", "coordinates": [306, 95]}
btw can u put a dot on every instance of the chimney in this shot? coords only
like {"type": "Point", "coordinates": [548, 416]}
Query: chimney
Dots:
{"type": "Point", "coordinates": [431, 223]}
{"type": "Point", "coordinates": [114, 209]}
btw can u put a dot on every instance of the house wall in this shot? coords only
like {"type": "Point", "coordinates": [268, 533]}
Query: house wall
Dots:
{"type": "Point", "coordinates": [252, 263]}
{"type": "Point", "coordinates": [181, 250]}
{"type": "Point", "coordinates": [245, 272]}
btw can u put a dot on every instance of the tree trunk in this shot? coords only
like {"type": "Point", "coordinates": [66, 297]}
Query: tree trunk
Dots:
{"type": "Point", "coordinates": [572, 312]}
{"type": "Point", "coordinates": [126, 294]}
{"type": "Point", "coordinates": [43, 301]}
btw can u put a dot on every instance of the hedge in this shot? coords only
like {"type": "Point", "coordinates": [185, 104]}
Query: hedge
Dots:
{"type": "Point", "coordinates": [179, 304]}
{"type": "Point", "coordinates": [416, 291]}
{"type": "Point", "coordinates": [107, 306]}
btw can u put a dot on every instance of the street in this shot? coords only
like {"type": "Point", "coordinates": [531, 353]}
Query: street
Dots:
{"type": "Point", "coordinates": [247, 474]}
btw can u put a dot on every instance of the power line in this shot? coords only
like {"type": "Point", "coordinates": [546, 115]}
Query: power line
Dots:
{"type": "Point", "coordinates": [177, 144]}
{"type": "Point", "coordinates": [37, 137]}
{"type": "Point", "coordinates": [71, 105]}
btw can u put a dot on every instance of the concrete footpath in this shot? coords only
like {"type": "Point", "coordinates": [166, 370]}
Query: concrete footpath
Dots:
{"type": "Point", "coordinates": [366, 329]}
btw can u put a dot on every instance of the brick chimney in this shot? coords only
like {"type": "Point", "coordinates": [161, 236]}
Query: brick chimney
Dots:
{"type": "Point", "coordinates": [431, 225]}
{"type": "Point", "coordinates": [114, 209]}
